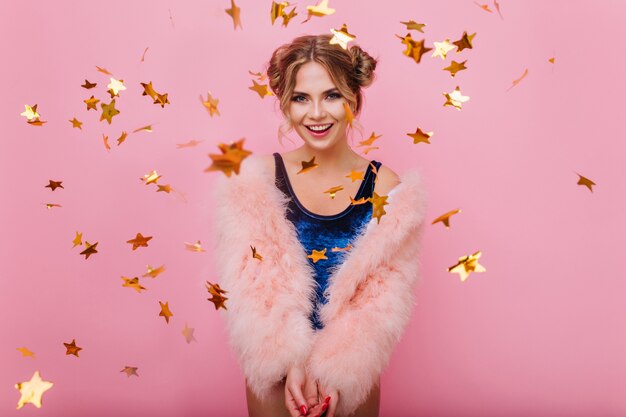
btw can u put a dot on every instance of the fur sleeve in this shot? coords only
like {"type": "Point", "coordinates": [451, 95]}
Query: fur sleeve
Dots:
{"type": "Point", "coordinates": [355, 345]}
{"type": "Point", "coordinates": [266, 327]}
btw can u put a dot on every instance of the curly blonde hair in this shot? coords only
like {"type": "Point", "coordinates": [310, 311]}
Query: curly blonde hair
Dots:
{"type": "Point", "coordinates": [350, 70]}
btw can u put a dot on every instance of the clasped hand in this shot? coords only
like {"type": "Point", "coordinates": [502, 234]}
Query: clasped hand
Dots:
{"type": "Point", "coordinates": [301, 390]}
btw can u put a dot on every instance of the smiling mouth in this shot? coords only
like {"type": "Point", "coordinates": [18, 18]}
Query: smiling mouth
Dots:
{"type": "Point", "coordinates": [320, 131]}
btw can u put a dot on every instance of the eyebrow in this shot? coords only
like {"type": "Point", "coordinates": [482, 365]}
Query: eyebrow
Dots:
{"type": "Point", "coordinates": [325, 92]}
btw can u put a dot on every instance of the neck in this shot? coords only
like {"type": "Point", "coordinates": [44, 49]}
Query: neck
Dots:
{"type": "Point", "coordinates": [338, 159]}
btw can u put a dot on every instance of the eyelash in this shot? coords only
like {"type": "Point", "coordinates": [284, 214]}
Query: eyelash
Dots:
{"type": "Point", "coordinates": [295, 98]}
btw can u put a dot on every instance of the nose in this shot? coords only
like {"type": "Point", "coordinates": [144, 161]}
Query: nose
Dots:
{"type": "Point", "coordinates": [318, 110]}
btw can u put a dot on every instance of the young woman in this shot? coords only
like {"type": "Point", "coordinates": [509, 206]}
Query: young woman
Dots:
{"type": "Point", "coordinates": [330, 274]}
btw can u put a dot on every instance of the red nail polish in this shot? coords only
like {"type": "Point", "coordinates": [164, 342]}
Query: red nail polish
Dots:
{"type": "Point", "coordinates": [324, 407]}
{"type": "Point", "coordinates": [327, 400]}
{"type": "Point", "coordinates": [303, 410]}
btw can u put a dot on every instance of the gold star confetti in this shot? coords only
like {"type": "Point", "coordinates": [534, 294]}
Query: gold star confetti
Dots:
{"type": "Point", "coordinates": [115, 86]}
{"type": "Point", "coordinates": [161, 99]}
{"type": "Point", "coordinates": [147, 128]}
{"type": "Point", "coordinates": [442, 48]}
{"type": "Point", "coordinates": [349, 114]}
{"type": "Point", "coordinates": [414, 49]}
{"type": "Point", "coordinates": [105, 140]}
{"type": "Point", "coordinates": [164, 188]}
{"type": "Point", "coordinates": [133, 283]}
{"type": "Point", "coordinates": [216, 295]}
{"type": "Point", "coordinates": [53, 185]}
{"type": "Point", "coordinates": [261, 89]}
{"type": "Point", "coordinates": [78, 240]}
{"type": "Point", "coordinates": [445, 218]}
{"type": "Point", "coordinates": [369, 141]}
{"type": "Point", "coordinates": [130, 370]}
{"type": "Point", "coordinates": [91, 249]}
{"type": "Point", "coordinates": [139, 241]}
{"type": "Point", "coordinates": [32, 391]}
{"type": "Point", "coordinates": [25, 352]}
{"type": "Point", "coordinates": [455, 98]}
{"type": "Point", "coordinates": [466, 265]}
{"type": "Point", "coordinates": [465, 42]}
{"type": "Point", "coordinates": [72, 349]}
{"type": "Point", "coordinates": [378, 203]}
{"type": "Point", "coordinates": [91, 103]}
{"type": "Point", "coordinates": [188, 333]}
{"type": "Point", "coordinates": [278, 10]}
{"type": "Point", "coordinates": [143, 56]}
{"type": "Point", "coordinates": [455, 67]}
{"type": "Point", "coordinates": [89, 85]}
{"type": "Point", "coordinates": [420, 136]}
{"type": "Point", "coordinates": [148, 90]}
{"type": "Point", "coordinates": [485, 7]}
{"type": "Point", "coordinates": [165, 311]}
{"type": "Point", "coordinates": [235, 13]}
{"type": "Point", "coordinates": [333, 190]}
{"type": "Point", "coordinates": [316, 255]}
{"type": "Point", "coordinates": [341, 37]}
{"type": "Point", "coordinates": [103, 70]}
{"type": "Point", "coordinates": [76, 123]}
{"type": "Point", "coordinates": [356, 175]}
{"type": "Point", "coordinates": [150, 178]}
{"type": "Point", "coordinates": [413, 25]}
{"type": "Point", "coordinates": [190, 144]}
{"type": "Point", "coordinates": [30, 112]}
{"type": "Point", "coordinates": [122, 138]}
{"type": "Point", "coordinates": [50, 205]}
{"type": "Point", "coordinates": [154, 272]}
{"type": "Point", "coordinates": [585, 181]}
{"type": "Point", "coordinates": [255, 254]}
{"type": "Point", "coordinates": [108, 111]}
{"type": "Point", "coordinates": [320, 9]}
{"type": "Point", "coordinates": [336, 249]}
{"type": "Point", "coordinates": [307, 166]}
{"type": "Point", "coordinates": [194, 247]}
{"type": "Point", "coordinates": [231, 158]}
{"type": "Point", "coordinates": [210, 104]}
{"type": "Point", "coordinates": [515, 82]}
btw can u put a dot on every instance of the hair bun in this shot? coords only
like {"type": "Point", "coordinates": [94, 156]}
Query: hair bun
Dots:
{"type": "Point", "coordinates": [364, 66]}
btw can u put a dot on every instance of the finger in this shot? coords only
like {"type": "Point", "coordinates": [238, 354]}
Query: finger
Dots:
{"type": "Point", "coordinates": [332, 406]}
{"type": "Point", "coordinates": [311, 395]}
{"type": "Point", "coordinates": [295, 401]}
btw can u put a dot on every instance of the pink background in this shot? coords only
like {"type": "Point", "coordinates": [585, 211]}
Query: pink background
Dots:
{"type": "Point", "coordinates": [541, 332]}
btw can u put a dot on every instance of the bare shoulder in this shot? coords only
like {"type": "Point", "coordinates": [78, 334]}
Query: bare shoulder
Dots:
{"type": "Point", "coordinates": [386, 180]}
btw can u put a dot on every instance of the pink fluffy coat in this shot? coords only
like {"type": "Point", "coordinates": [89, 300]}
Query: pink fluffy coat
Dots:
{"type": "Point", "coordinates": [370, 295]}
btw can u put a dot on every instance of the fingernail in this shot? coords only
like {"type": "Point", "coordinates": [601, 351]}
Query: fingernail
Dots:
{"type": "Point", "coordinates": [324, 407]}
{"type": "Point", "coordinates": [327, 400]}
{"type": "Point", "coordinates": [303, 409]}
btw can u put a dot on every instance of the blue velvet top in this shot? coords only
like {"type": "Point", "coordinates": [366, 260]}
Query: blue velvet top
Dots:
{"type": "Point", "coordinates": [317, 231]}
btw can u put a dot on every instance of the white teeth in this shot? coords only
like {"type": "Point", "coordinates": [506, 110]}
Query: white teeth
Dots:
{"type": "Point", "coordinates": [319, 128]}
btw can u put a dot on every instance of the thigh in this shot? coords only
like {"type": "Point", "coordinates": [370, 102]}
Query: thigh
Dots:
{"type": "Point", "coordinates": [273, 406]}
{"type": "Point", "coordinates": [371, 406]}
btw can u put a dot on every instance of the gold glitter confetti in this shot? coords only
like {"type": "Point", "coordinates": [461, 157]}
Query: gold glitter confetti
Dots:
{"type": "Point", "coordinates": [72, 349]}
{"type": "Point", "coordinates": [455, 98]}
{"type": "Point", "coordinates": [585, 181]}
{"type": "Point", "coordinates": [139, 241]}
{"type": "Point", "coordinates": [165, 311]}
{"type": "Point", "coordinates": [317, 255]}
{"type": "Point", "coordinates": [130, 370]}
{"type": "Point", "coordinates": [414, 49]}
{"type": "Point", "coordinates": [455, 67]}
{"type": "Point", "coordinates": [188, 333]}
{"type": "Point", "coordinates": [420, 136]}
{"type": "Point", "coordinates": [341, 37]}
{"type": "Point", "coordinates": [445, 218]}
{"type": "Point", "coordinates": [413, 25]}
{"type": "Point", "coordinates": [32, 391]}
{"type": "Point", "coordinates": [466, 265]}
{"type": "Point", "coordinates": [235, 13]}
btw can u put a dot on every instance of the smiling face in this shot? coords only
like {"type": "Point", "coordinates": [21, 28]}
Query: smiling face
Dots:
{"type": "Point", "coordinates": [316, 101]}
